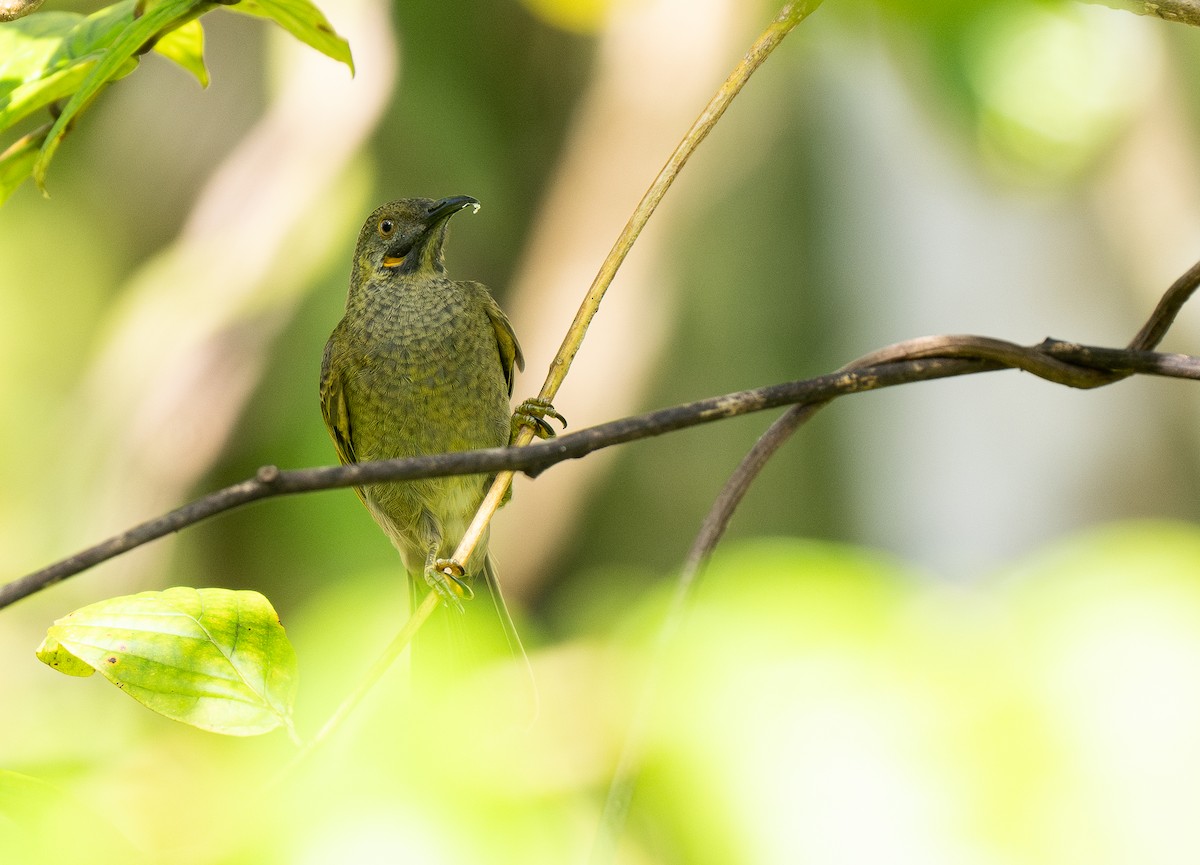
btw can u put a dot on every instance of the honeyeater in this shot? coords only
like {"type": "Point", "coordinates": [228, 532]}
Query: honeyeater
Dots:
{"type": "Point", "coordinates": [424, 364]}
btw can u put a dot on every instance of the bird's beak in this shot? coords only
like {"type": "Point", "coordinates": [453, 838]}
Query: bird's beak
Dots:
{"type": "Point", "coordinates": [447, 207]}
{"type": "Point", "coordinates": [393, 261]}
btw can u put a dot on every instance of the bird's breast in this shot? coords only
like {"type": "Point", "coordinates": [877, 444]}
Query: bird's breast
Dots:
{"type": "Point", "coordinates": [423, 374]}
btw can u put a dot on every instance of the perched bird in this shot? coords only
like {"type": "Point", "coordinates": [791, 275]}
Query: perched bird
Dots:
{"type": "Point", "coordinates": [423, 364]}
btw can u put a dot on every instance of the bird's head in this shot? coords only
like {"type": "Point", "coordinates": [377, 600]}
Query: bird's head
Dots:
{"type": "Point", "coordinates": [407, 236]}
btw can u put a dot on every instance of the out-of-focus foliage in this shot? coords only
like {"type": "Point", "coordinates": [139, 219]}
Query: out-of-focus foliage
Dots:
{"type": "Point", "coordinates": [821, 702]}
{"type": "Point", "coordinates": [39, 822]}
{"type": "Point", "coordinates": [582, 15]}
{"type": "Point", "coordinates": [1053, 85]}
{"type": "Point", "coordinates": [62, 61]}
{"type": "Point", "coordinates": [1044, 86]}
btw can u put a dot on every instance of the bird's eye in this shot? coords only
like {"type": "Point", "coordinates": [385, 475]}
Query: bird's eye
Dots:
{"type": "Point", "coordinates": [386, 227]}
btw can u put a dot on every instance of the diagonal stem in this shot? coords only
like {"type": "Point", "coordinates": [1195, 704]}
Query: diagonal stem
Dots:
{"type": "Point", "coordinates": [620, 792]}
{"type": "Point", "coordinates": [789, 16]}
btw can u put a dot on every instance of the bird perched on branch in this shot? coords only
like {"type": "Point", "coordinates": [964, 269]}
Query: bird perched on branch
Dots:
{"type": "Point", "coordinates": [423, 364]}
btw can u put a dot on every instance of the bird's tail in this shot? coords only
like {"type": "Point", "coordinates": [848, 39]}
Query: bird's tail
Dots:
{"type": "Point", "coordinates": [453, 643]}
{"type": "Point", "coordinates": [515, 647]}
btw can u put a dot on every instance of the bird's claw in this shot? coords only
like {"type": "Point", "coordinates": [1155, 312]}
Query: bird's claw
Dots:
{"type": "Point", "coordinates": [533, 413]}
{"type": "Point", "coordinates": [445, 576]}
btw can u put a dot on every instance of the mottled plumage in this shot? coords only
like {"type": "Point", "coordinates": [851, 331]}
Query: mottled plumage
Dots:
{"type": "Point", "coordinates": [420, 364]}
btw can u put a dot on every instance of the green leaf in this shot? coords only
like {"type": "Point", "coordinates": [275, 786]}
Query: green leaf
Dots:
{"type": "Point", "coordinates": [213, 658]}
{"type": "Point", "coordinates": [304, 21]}
{"type": "Point", "coordinates": [52, 654]}
{"type": "Point", "coordinates": [185, 46]}
{"type": "Point", "coordinates": [46, 58]}
{"type": "Point", "coordinates": [114, 62]}
{"type": "Point", "coordinates": [17, 161]}
{"type": "Point", "coordinates": [56, 57]}
{"type": "Point", "coordinates": [36, 66]}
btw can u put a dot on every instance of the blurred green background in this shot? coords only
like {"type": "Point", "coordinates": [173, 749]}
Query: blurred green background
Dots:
{"type": "Point", "coordinates": [893, 682]}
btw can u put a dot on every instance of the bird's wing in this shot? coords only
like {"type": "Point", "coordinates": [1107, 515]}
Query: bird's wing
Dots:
{"type": "Point", "coordinates": [336, 413]}
{"type": "Point", "coordinates": [506, 339]}
{"type": "Point", "coordinates": [334, 409]}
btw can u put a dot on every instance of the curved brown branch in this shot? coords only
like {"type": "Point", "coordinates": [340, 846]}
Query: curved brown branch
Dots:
{"type": "Point", "coordinates": [1062, 362]}
{"type": "Point", "coordinates": [11, 10]}
{"type": "Point", "coordinates": [1168, 307]}
{"type": "Point", "coordinates": [1066, 363]}
{"type": "Point", "coordinates": [917, 360]}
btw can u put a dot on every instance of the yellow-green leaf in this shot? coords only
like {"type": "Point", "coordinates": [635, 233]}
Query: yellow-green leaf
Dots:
{"type": "Point", "coordinates": [62, 58]}
{"type": "Point", "coordinates": [213, 658]}
{"type": "Point", "coordinates": [38, 63]}
{"type": "Point", "coordinates": [304, 21]}
{"type": "Point", "coordinates": [17, 161]}
{"type": "Point", "coordinates": [185, 46]}
{"type": "Point", "coordinates": [52, 654]}
{"type": "Point", "coordinates": [113, 62]}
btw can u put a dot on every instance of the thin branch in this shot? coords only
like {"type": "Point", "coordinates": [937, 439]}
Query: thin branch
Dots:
{"type": "Point", "coordinates": [1066, 363]}
{"type": "Point", "coordinates": [917, 360]}
{"type": "Point", "coordinates": [920, 359]}
{"type": "Point", "coordinates": [1172, 302]}
{"type": "Point", "coordinates": [11, 10]}
{"type": "Point", "coordinates": [1182, 11]}
{"type": "Point", "coordinates": [625, 776]}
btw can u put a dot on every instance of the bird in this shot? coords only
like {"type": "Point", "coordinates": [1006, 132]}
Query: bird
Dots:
{"type": "Point", "coordinates": [424, 364]}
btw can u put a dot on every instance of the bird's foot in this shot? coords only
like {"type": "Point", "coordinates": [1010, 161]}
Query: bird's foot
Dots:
{"type": "Point", "coordinates": [533, 413]}
{"type": "Point", "coordinates": [446, 577]}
